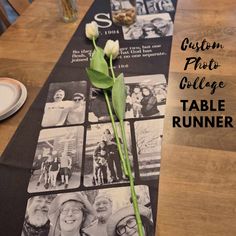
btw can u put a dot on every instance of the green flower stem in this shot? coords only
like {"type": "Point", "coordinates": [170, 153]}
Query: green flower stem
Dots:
{"type": "Point", "coordinates": [116, 133]}
{"type": "Point", "coordinates": [111, 68]}
{"type": "Point", "coordinates": [94, 43]}
{"type": "Point", "coordinates": [128, 166]}
{"type": "Point", "coordinates": [113, 123]}
{"type": "Point", "coordinates": [125, 161]}
{"type": "Point", "coordinates": [131, 181]}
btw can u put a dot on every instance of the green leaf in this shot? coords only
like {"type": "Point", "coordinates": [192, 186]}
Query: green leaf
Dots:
{"type": "Point", "coordinates": [98, 79]}
{"type": "Point", "coordinates": [119, 97]}
{"type": "Point", "coordinates": [98, 61]}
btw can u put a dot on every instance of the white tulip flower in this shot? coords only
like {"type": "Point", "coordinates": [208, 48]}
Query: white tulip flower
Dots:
{"type": "Point", "coordinates": [112, 48]}
{"type": "Point", "coordinates": [91, 30]}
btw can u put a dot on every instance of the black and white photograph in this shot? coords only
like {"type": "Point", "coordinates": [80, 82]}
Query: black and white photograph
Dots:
{"type": "Point", "coordinates": [149, 136]}
{"type": "Point", "coordinates": [123, 12]}
{"type": "Point", "coordinates": [149, 26]}
{"type": "Point", "coordinates": [140, 7]}
{"type": "Point", "coordinates": [65, 104]}
{"type": "Point", "coordinates": [104, 212]}
{"type": "Point", "coordinates": [102, 161]}
{"type": "Point", "coordinates": [57, 161]}
{"type": "Point", "coordinates": [97, 106]}
{"type": "Point", "coordinates": [146, 97]}
{"type": "Point", "coordinates": [117, 5]}
{"type": "Point", "coordinates": [159, 6]}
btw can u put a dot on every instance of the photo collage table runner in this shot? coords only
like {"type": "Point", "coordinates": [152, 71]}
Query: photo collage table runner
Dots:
{"type": "Point", "coordinates": [65, 147]}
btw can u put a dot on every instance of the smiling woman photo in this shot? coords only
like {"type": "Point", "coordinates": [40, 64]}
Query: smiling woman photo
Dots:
{"type": "Point", "coordinates": [69, 214]}
{"type": "Point", "coordinates": [123, 222]}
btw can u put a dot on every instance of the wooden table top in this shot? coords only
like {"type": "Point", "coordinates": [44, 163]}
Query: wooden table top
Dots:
{"type": "Point", "coordinates": [30, 48]}
{"type": "Point", "coordinates": [198, 177]}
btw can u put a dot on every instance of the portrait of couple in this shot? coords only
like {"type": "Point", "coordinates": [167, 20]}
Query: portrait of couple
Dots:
{"type": "Point", "coordinates": [65, 104]}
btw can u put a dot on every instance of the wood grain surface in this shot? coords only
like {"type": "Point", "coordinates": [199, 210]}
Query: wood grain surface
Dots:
{"type": "Point", "coordinates": [198, 177]}
{"type": "Point", "coordinates": [29, 50]}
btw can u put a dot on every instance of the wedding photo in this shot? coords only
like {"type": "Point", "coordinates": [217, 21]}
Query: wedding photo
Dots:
{"type": "Point", "coordinates": [146, 97]}
{"type": "Point", "coordinates": [93, 212]}
{"type": "Point", "coordinates": [149, 136]}
{"type": "Point", "coordinates": [57, 160]}
{"type": "Point", "coordinates": [149, 26]}
{"type": "Point", "coordinates": [65, 104]}
{"type": "Point", "coordinates": [102, 161]}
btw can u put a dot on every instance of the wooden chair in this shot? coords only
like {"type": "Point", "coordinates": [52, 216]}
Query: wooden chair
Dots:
{"type": "Point", "coordinates": [18, 5]}
{"type": "Point", "coordinates": [3, 16]}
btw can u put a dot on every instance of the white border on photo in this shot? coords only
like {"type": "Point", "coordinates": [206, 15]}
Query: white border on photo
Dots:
{"type": "Point", "coordinates": [146, 79]}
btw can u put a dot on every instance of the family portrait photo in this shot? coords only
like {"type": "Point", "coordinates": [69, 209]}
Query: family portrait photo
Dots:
{"type": "Point", "coordinates": [149, 26]}
{"type": "Point", "coordinates": [149, 136]}
{"type": "Point", "coordinates": [145, 97]}
{"type": "Point", "coordinates": [65, 104]}
{"type": "Point", "coordinates": [57, 161]}
{"type": "Point", "coordinates": [102, 160]}
{"type": "Point", "coordinates": [103, 212]}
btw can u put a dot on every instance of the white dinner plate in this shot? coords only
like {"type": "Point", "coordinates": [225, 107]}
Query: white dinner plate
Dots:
{"type": "Point", "coordinates": [12, 96]}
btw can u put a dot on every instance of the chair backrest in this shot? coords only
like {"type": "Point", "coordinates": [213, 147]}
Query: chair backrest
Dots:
{"type": "Point", "coordinates": [19, 5]}
{"type": "Point", "coordinates": [3, 16]}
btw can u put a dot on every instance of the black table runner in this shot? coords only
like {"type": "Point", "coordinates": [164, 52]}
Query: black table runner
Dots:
{"type": "Point", "coordinates": [69, 120]}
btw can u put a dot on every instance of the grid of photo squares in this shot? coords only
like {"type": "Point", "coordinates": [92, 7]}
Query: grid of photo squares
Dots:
{"type": "Point", "coordinates": [146, 97]}
{"type": "Point", "coordinates": [65, 104]}
{"type": "Point", "coordinates": [57, 161]}
{"type": "Point", "coordinates": [144, 7]}
{"type": "Point", "coordinates": [154, 6]}
{"type": "Point", "coordinates": [78, 151]}
{"type": "Point", "coordinates": [158, 6]}
{"type": "Point", "coordinates": [149, 135]}
{"type": "Point", "coordinates": [102, 161]}
{"type": "Point", "coordinates": [58, 157]}
{"type": "Point", "coordinates": [93, 212]}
